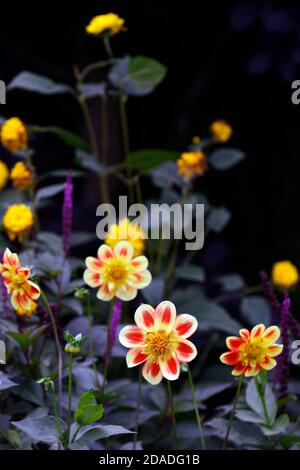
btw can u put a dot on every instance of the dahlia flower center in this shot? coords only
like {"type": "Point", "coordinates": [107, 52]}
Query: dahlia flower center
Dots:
{"type": "Point", "coordinates": [252, 351]}
{"type": "Point", "coordinates": [158, 343]}
{"type": "Point", "coordinates": [116, 272]}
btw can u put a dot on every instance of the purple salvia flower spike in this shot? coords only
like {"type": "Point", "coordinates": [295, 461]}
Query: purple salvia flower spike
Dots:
{"type": "Point", "coordinates": [115, 321]}
{"type": "Point", "coordinates": [67, 214]}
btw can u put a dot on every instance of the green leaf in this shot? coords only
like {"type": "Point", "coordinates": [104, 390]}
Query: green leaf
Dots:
{"type": "Point", "coordinates": [49, 191]}
{"type": "Point", "coordinates": [137, 76]}
{"type": "Point", "coordinates": [145, 74]}
{"type": "Point", "coordinates": [21, 338]}
{"type": "Point", "coordinates": [255, 309]}
{"type": "Point", "coordinates": [81, 238]}
{"type": "Point", "coordinates": [253, 400]}
{"type": "Point", "coordinates": [287, 441]}
{"type": "Point", "coordinates": [155, 291]}
{"type": "Point", "coordinates": [91, 433]}
{"type": "Point", "coordinates": [210, 315]}
{"type": "Point", "coordinates": [279, 426]}
{"type": "Point", "coordinates": [38, 83]}
{"type": "Point", "coordinates": [225, 158]}
{"type": "Point", "coordinates": [68, 137]}
{"type": "Point", "coordinates": [249, 416]}
{"type": "Point", "coordinates": [231, 282]}
{"type": "Point", "coordinates": [89, 162]}
{"type": "Point", "coordinates": [190, 272]}
{"type": "Point", "coordinates": [145, 159]}
{"type": "Point", "coordinates": [51, 241]}
{"type": "Point", "coordinates": [243, 435]}
{"type": "Point", "coordinates": [5, 382]}
{"type": "Point", "coordinates": [88, 411]}
{"type": "Point", "coordinates": [13, 438]}
{"type": "Point", "coordinates": [218, 218]}
{"type": "Point", "coordinates": [40, 429]}
{"type": "Point", "coordinates": [37, 333]}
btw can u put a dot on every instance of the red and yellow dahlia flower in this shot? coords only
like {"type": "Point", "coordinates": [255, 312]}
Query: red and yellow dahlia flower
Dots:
{"type": "Point", "coordinates": [159, 341]}
{"type": "Point", "coordinates": [116, 272]}
{"type": "Point", "coordinates": [22, 291]}
{"type": "Point", "coordinates": [252, 351]}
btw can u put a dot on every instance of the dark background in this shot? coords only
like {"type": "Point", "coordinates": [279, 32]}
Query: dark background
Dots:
{"type": "Point", "coordinates": [233, 60]}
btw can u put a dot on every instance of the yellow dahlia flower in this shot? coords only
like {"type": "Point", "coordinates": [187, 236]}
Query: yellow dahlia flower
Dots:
{"type": "Point", "coordinates": [109, 23]}
{"type": "Point", "coordinates": [18, 220]}
{"type": "Point", "coordinates": [129, 231]}
{"type": "Point", "coordinates": [21, 176]}
{"type": "Point", "coordinates": [191, 164]}
{"type": "Point", "coordinates": [221, 131]}
{"type": "Point", "coordinates": [252, 351]}
{"type": "Point", "coordinates": [117, 272]}
{"type": "Point", "coordinates": [14, 135]}
{"type": "Point", "coordinates": [23, 292]}
{"type": "Point", "coordinates": [28, 311]}
{"type": "Point", "coordinates": [4, 174]}
{"type": "Point", "coordinates": [285, 274]}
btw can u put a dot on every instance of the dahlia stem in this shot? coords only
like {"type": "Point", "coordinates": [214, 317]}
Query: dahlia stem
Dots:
{"type": "Point", "coordinates": [138, 408]}
{"type": "Point", "coordinates": [198, 418]}
{"type": "Point", "coordinates": [107, 47]}
{"type": "Point", "coordinates": [261, 393]}
{"type": "Point", "coordinates": [69, 397]}
{"type": "Point", "coordinates": [57, 421]}
{"type": "Point", "coordinates": [239, 387]}
{"type": "Point", "coordinates": [172, 408]}
{"type": "Point", "coordinates": [90, 335]}
{"type": "Point", "coordinates": [106, 358]}
{"type": "Point", "coordinates": [58, 349]}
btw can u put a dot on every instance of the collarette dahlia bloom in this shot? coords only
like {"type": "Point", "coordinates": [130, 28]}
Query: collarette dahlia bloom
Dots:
{"type": "Point", "coordinates": [16, 278]}
{"type": "Point", "coordinates": [18, 220]}
{"type": "Point", "coordinates": [192, 164]}
{"type": "Point", "coordinates": [116, 272]}
{"type": "Point", "coordinates": [159, 341]}
{"type": "Point", "coordinates": [252, 351]}
{"type": "Point", "coordinates": [21, 176]}
{"type": "Point", "coordinates": [109, 24]}
{"type": "Point", "coordinates": [14, 135]}
{"type": "Point", "coordinates": [221, 131]}
{"type": "Point", "coordinates": [285, 274]}
{"type": "Point", "coordinates": [129, 231]}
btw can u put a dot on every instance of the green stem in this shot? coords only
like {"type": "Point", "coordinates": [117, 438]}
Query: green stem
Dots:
{"type": "Point", "coordinates": [176, 243]}
{"type": "Point", "coordinates": [138, 408]}
{"type": "Point", "coordinates": [196, 408]}
{"type": "Point", "coordinates": [69, 398]}
{"type": "Point", "coordinates": [75, 434]}
{"type": "Point", "coordinates": [172, 408]}
{"type": "Point", "coordinates": [233, 411]}
{"type": "Point", "coordinates": [107, 352]}
{"type": "Point", "coordinates": [57, 421]}
{"type": "Point", "coordinates": [108, 48]}
{"type": "Point", "coordinates": [90, 335]}
{"type": "Point", "coordinates": [58, 349]}
{"type": "Point", "coordinates": [263, 402]}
